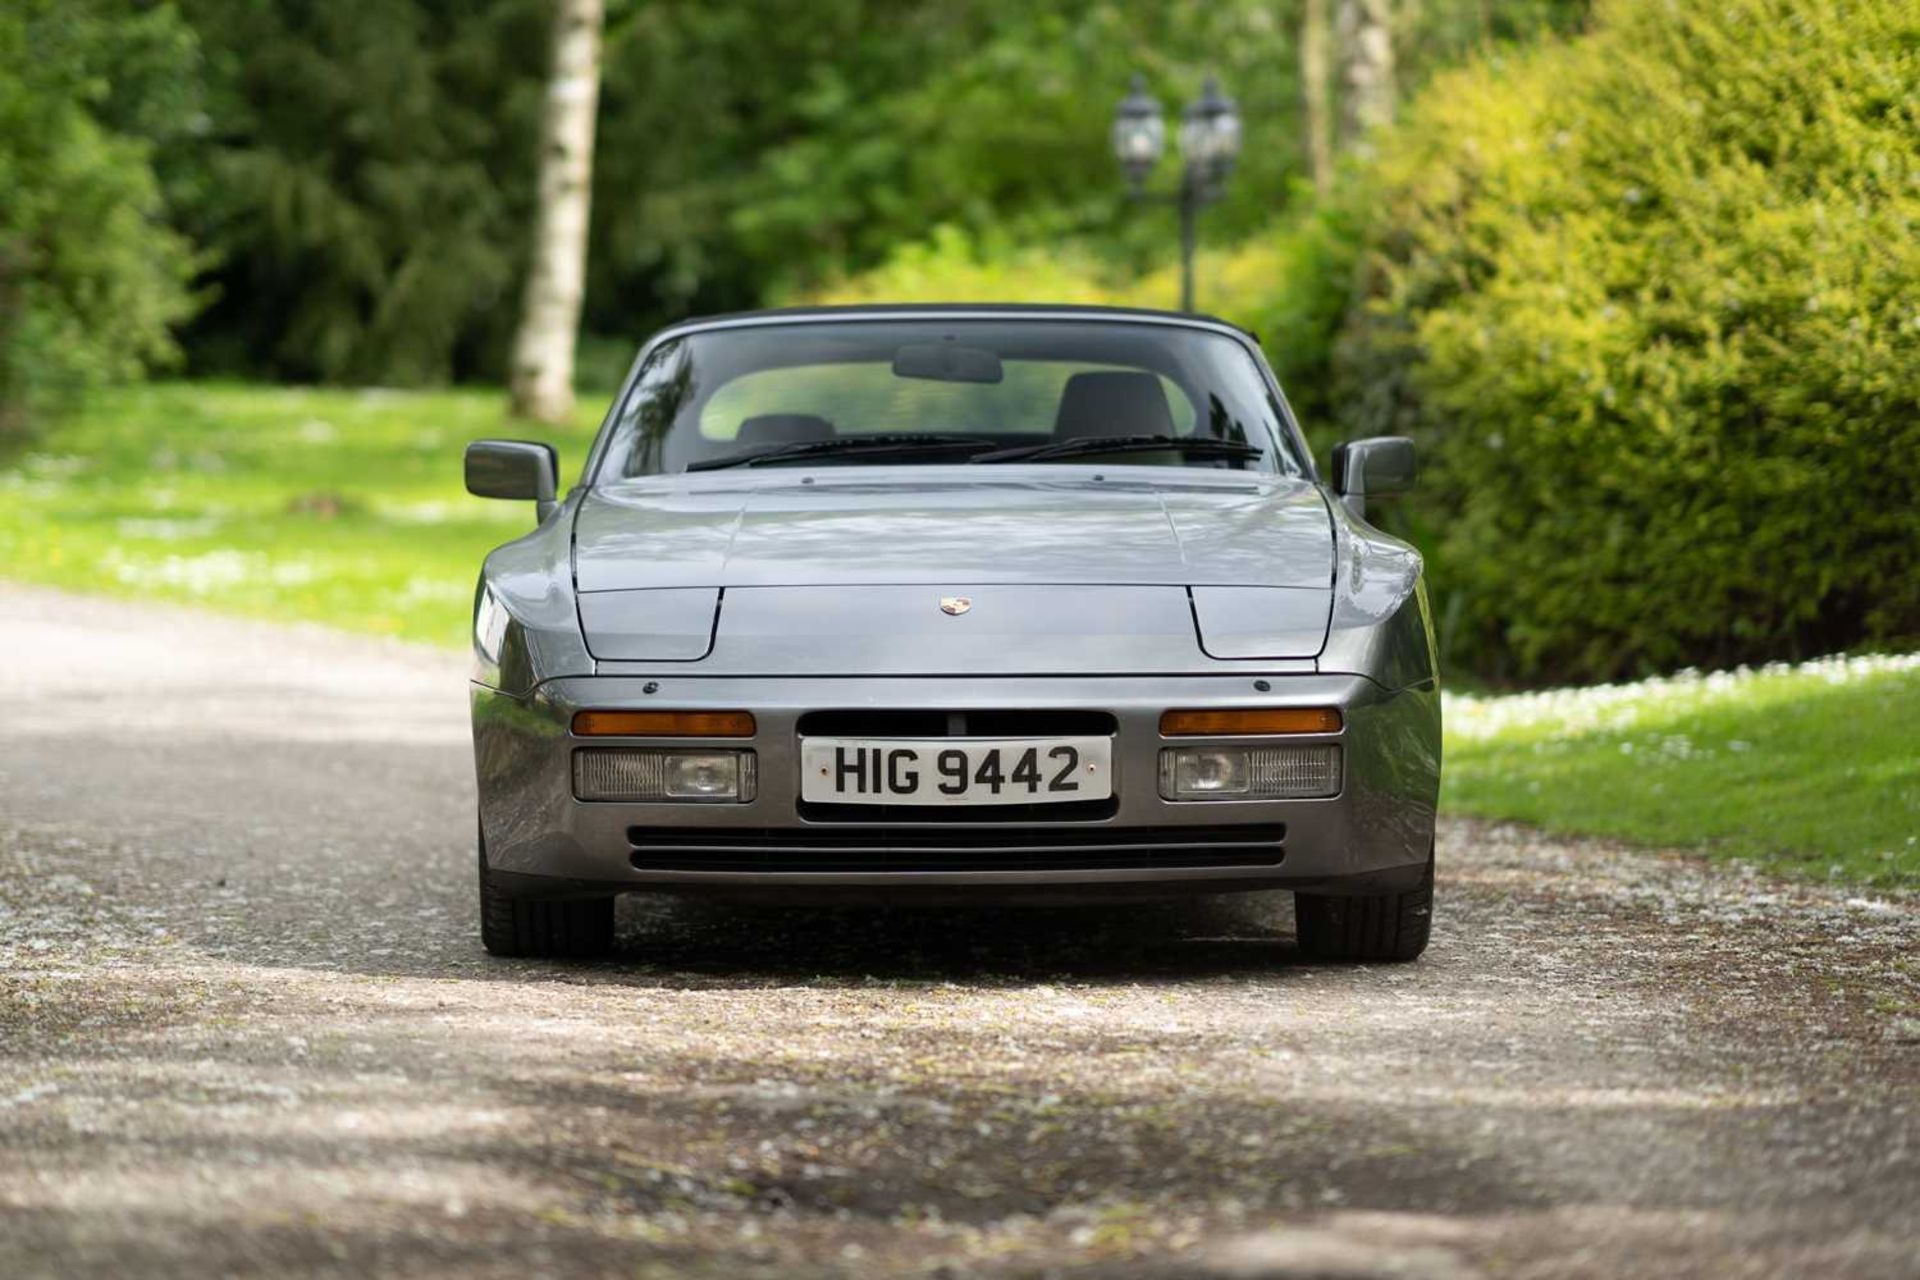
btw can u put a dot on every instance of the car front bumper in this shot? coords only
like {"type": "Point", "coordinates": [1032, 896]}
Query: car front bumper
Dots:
{"type": "Point", "coordinates": [1374, 835]}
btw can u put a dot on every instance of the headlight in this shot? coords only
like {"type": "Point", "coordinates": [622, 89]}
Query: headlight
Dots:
{"type": "Point", "coordinates": [1250, 773]}
{"type": "Point", "coordinates": [663, 774]}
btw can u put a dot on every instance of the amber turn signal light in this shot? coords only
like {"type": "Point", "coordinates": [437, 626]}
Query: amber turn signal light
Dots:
{"type": "Point", "coordinates": [663, 724]}
{"type": "Point", "coordinates": [1193, 724]}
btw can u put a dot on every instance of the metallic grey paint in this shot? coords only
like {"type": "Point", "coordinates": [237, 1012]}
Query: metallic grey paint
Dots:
{"type": "Point", "coordinates": [1123, 589]}
{"type": "Point", "coordinates": [1009, 524]}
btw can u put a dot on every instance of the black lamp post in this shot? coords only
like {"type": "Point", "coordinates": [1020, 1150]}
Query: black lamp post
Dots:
{"type": "Point", "coordinates": [1209, 143]}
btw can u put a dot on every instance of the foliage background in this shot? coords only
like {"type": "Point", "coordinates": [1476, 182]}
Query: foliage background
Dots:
{"type": "Point", "coordinates": [359, 173]}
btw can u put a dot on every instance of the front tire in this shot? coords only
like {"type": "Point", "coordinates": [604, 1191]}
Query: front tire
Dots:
{"type": "Point", "coordinates": [1366, 928]}
{"type": "Point", "coordinates": [561, 928]}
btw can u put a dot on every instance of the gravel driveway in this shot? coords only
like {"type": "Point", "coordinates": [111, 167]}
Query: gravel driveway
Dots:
{"type": "Point", "coordinates": [246, 1028]}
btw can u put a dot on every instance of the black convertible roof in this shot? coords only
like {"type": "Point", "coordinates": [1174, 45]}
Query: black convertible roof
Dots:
{"type": "Point", "coordinates": [958, 309]}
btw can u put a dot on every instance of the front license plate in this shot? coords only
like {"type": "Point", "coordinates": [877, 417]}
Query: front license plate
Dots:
{"type": "Point", "coordinates": [955, 770]}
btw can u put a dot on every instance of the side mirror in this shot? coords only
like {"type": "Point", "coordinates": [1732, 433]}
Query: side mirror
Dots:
{"type": "Point", "coordinates": [518, 469]}
{"type": "Point", "coordinates": [1372, 467]}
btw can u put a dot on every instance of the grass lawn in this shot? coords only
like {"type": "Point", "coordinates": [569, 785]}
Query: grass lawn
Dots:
{"type": "Point", "coordinates": [337, 506]}
{"type": "Point", "coordinates": [346, 507]}
{"type": "Point", "coordinates": [1809, 771]}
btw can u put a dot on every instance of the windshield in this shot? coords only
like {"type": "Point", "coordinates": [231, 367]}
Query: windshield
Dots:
{"type": "Point", "coordinates": [931, 391]}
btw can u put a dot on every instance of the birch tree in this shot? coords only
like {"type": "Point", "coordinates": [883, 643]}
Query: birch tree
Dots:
{"type": "Point", "coordinates": [542, 373]}
{"type": "Point", "coordinates": [1313, 90]}
{"type": "Point", "coordinates": [1366, 68]}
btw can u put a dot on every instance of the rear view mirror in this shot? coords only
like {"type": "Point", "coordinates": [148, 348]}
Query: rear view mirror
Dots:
{"type": "Point", "coordinates": [1372, 467]}
{"type": "Point", "coordinates": [516, 469]}
{"type": "Point", "coordinates": [947, 362]}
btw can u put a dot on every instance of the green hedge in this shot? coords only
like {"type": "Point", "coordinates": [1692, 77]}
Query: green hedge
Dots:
{"type": "Point", "coordinates": [90, 278]}
{"type": "Point", "coordinates": [1650, 300]}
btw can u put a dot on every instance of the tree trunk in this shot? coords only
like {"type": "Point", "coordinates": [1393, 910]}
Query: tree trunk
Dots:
{"type": "Point", "coordinates": [1313, 89]}
{"type": "Point", "coordinates": [1366, 68]}
{"type": "Point", "coordinates": [542, 375]}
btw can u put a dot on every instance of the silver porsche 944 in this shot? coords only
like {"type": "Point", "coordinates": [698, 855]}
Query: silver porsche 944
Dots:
{"type": "Point", "coordinates": [921, 601]}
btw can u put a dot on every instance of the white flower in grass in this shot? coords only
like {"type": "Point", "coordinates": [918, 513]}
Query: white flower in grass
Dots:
{"type": "Point", "coordinates": [433, 591]}
{"type": "Point", "coordinates": [1617, 707]}
{"type": "Point", "coordinates": [56, 466]}
{"type": "Point", "coordinates": [211, 572]}
{"type": "Point", "coordinates": [167, 530]}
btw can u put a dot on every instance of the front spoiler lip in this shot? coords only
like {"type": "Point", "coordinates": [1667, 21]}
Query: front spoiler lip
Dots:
{"type": "Point", "coordinates": [1113, 875]}
{"type": "Point", "coordinates": [939, 886]}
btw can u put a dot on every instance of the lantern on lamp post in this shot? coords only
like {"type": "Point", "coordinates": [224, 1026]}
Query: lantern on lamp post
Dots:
{"type": "Point", "coordinates": [1209, 140]}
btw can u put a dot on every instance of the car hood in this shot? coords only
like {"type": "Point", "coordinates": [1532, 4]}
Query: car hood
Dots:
{"type": "Point", "coordinates": [861, 526]}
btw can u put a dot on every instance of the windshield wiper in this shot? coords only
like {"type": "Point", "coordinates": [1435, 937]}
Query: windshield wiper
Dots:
{"type": "Point", "coordinates": [881, 442]}
{"type": "Point", "coordinates": [1198, 446]}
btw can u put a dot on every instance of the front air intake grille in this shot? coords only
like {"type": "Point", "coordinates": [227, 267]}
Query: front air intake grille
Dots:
{"type": "Point", "coordinates": [982, 723]}
{"type": "Point", "coordinates": [783, 849]}
{"type": "Point", "coordinates": [959, 814]}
